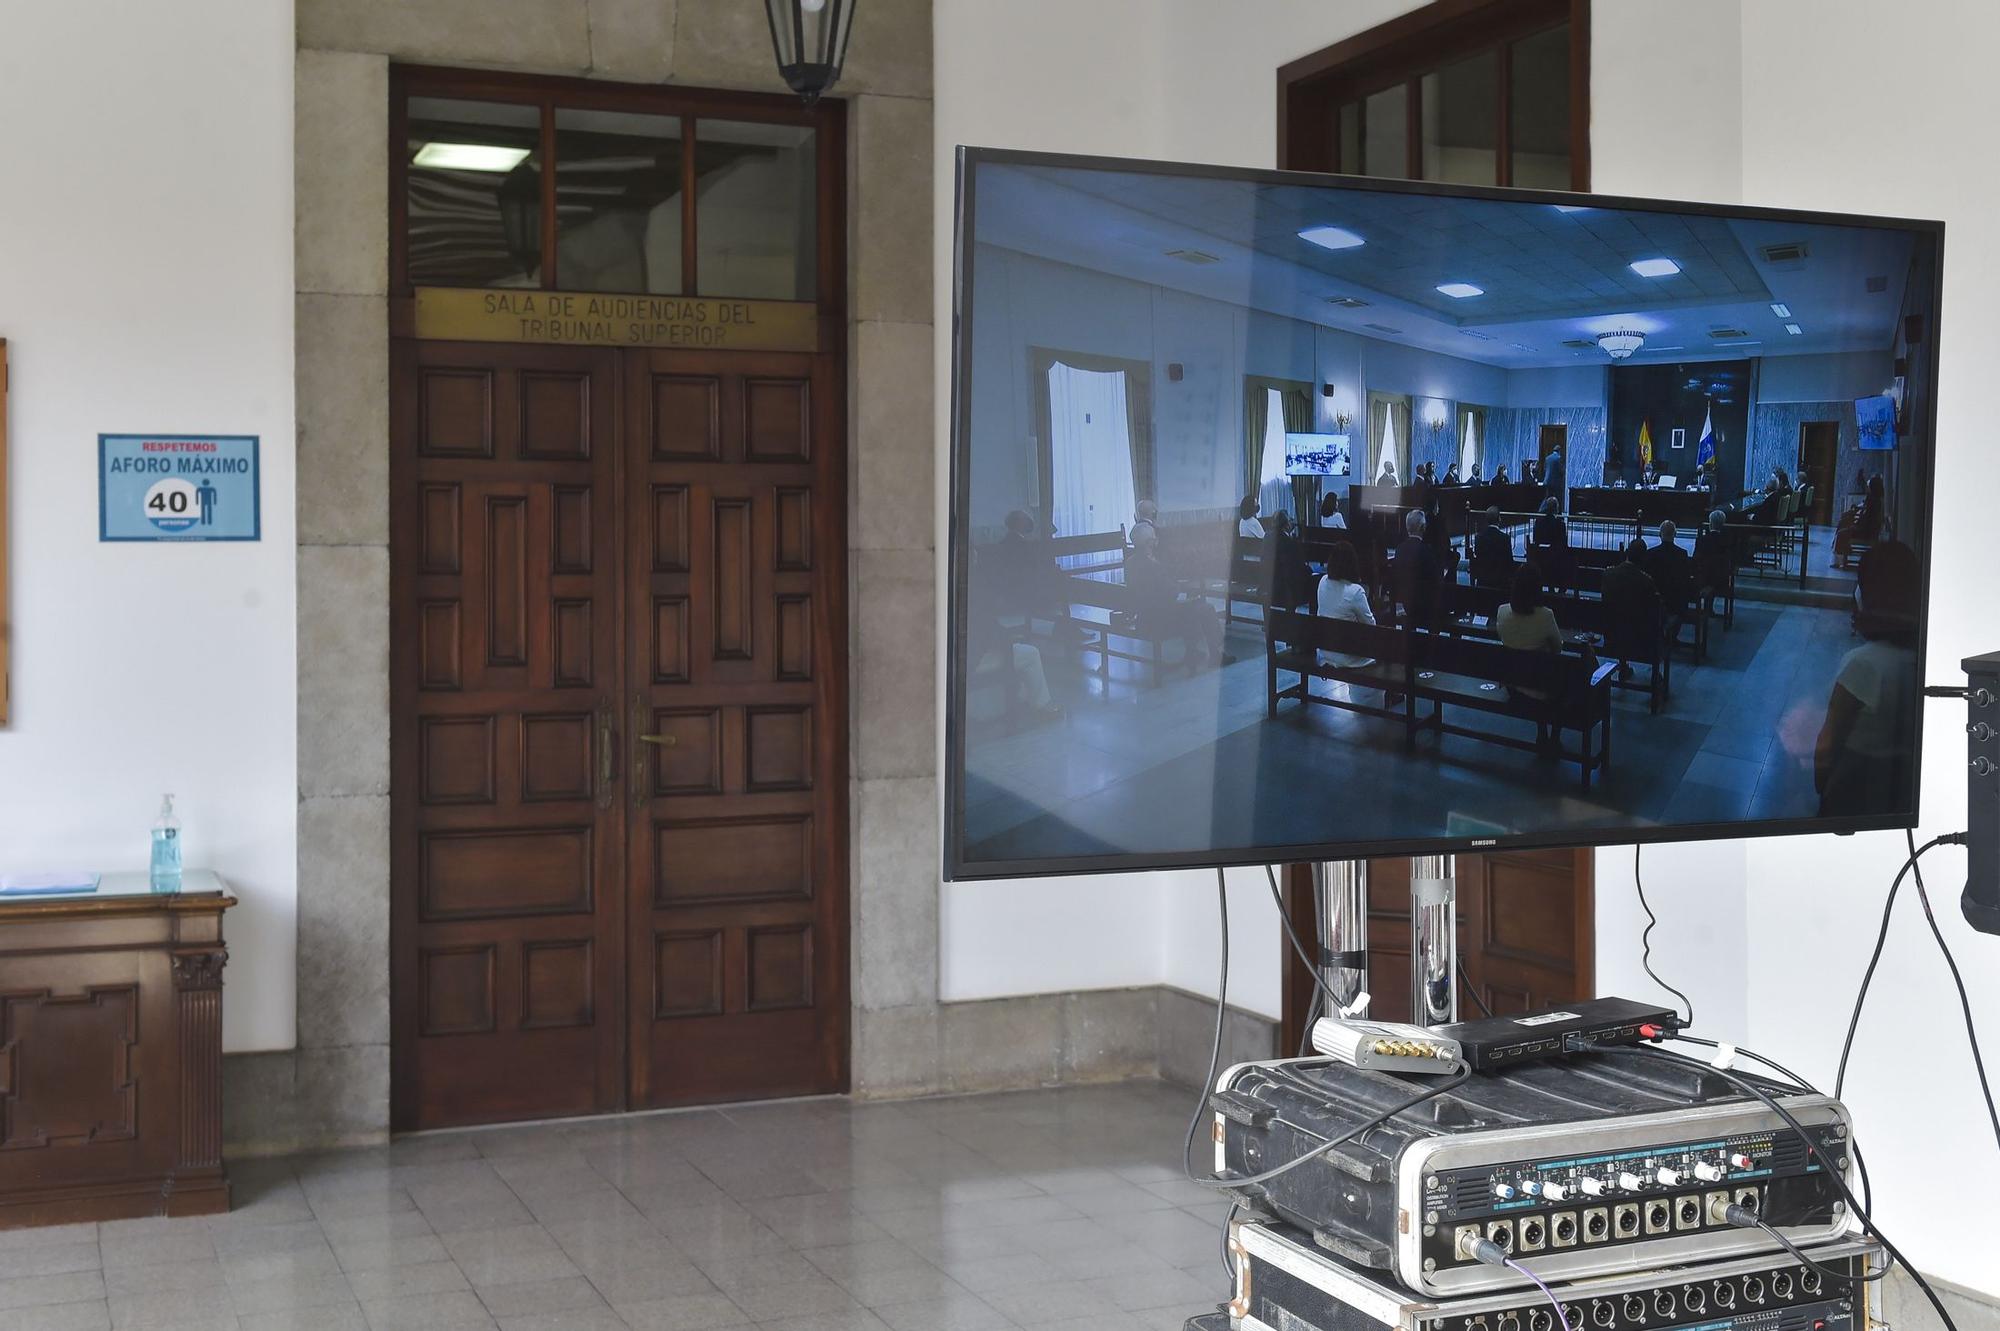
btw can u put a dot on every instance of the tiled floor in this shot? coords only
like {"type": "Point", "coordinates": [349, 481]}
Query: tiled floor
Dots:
{"type": "Point", "coordinates": [1043, 1209]}
{"type": "Point", "coordinates": [1125, 767]}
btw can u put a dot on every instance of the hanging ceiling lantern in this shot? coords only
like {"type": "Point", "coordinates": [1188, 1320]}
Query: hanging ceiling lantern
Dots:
{"type": "Point", "coordinates": [809, 37]}
{"type": "Point", "coordinates": [1620, 344]}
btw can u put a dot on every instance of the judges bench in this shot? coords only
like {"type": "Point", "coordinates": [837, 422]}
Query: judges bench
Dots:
{"type": "Point", "coordinates": [111, 1052]}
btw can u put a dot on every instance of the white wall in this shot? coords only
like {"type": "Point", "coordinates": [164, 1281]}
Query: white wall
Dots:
{"type": "Point", "coordinates": [145, 286]}
{"type": "Point", "coordinates": [1815, 902]}
{"type": "Point", "coordinates": [1834, 376]}
{"type": "Point", "coordinates": [1132, 78]}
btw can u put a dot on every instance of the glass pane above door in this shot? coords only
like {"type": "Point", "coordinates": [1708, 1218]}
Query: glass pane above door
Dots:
{"type": "Point", "coordinates": [1459, 130]}
{"type": "Point", "coordinates": [756, 210]}
{"type": "Point", "coordinates": [618, 201]}
{"type": "Point", "coordinates": [474, 193]}
{"type": "Point", "coordinates": [1538, 119]}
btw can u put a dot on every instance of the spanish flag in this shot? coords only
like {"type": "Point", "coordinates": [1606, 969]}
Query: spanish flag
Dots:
{"type": "Point", "coordinates": [1645, 442]}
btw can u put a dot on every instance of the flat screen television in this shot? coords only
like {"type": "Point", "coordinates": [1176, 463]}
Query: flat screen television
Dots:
{"type": "Point", "coordinates": [1875, 422]}
{"type": "Point", "coordinates": [1309, 454]}
{"type": "Point", "coordinates": [1173, 645]}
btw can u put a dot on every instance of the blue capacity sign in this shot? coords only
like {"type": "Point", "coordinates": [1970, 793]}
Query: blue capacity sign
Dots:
{"type": "Point", "coordinates": [177, 487]}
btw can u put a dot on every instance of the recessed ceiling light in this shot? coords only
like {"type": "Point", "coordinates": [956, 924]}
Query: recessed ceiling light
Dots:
{"type": "Point", "coordinates": [1460, 290]}
{"type": "Point", "coordinates": [1655, 267]}
{"type": "Point", "coordinates": [1331, 237]}
{"type": "Point", "coordinates": [1782, 310]}
{"type": "Point", "coordinates": [1347, 302]}
{"type": "Point", "coordinates": [1474, 332]}
{"type": "Point", "coordinates": [1568, 207]}
{"type": "Point", "coordinates": [1523, 346]}
{"type": "Point", "coordinates": [469, 157]}
{"type": "Point", "coordinates": [1193, 256]}
{"type": "Point", "coordinates": [1795, 330]}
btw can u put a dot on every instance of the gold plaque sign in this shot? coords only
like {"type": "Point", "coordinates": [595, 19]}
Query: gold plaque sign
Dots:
{"type": "Point", "coordinates": [581, 318]}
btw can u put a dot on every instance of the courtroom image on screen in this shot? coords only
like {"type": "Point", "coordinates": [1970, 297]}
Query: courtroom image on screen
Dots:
{"type": "Point", "coordinates": [1301, 515]}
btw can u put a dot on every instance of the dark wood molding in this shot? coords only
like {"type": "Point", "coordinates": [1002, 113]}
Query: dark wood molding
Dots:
{"type": "Point", "coordinates": [111, 1058]}
{"type": "Point", "coordinates": [199, 968]}
{"type": "Point", "coordinates": [1579, 95]}
{"type": "Point", "coordinates": [1311, 89]}
{"type": "Point", "coordinates": [827, 117]}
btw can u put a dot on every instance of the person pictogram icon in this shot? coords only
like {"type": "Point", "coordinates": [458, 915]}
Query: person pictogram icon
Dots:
{"type": "Point", "coordinates": [206, 495]}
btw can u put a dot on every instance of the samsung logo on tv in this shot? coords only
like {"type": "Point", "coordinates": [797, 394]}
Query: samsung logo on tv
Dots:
{"type": "Point", "coordinates": [1487, 841]}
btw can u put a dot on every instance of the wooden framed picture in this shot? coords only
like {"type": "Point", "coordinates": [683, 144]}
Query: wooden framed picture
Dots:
{"type": "Point", "coordinates": [6, 625]}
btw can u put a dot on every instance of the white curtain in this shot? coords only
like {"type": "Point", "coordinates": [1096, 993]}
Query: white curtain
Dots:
{"type": "Point", "coordinates": [1388, 448]}
{"type": "Point", "coordinates": [1274, 487]}
{"type": "Point", "coordinates": [1468, 447]}
{"type": "Point", "coordinates": [1090, 451]}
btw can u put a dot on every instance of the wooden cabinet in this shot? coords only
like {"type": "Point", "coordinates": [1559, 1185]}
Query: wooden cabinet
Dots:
{"type": "Point", "coordinates": [111, 1053]}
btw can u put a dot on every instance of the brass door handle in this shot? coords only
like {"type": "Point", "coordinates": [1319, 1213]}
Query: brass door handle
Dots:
{"type": "Point", "coordinates": [607, 754]}
{"type": "Point", "coordinates": [664, 741]}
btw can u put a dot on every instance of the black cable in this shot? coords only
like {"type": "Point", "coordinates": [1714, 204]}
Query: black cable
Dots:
{"type": "Point", "coordinates": [1964, 1003]}
{"type": "Point", "coordinates": [1874, 960]}
{"type": "Point", "coordinates": [1802, 1085]}
{"type": "Point", "coordinates": [1285, 918]}
{"type": "Point", "coordinates": [1228, 1219]}
{"type": "Point", "coordinates": [1798, 1083]}
{"type": "Point", "coordinates": [1459, 1076]}
{"type": "Point", "coordinates": [1646, 939]}
{"type": "Point", "coordinates": [1831, 1169]}
{"type": "Point", "coordinates": [1215, 1046]}
{"type": "Point", "coordinates": [1751, 1220]}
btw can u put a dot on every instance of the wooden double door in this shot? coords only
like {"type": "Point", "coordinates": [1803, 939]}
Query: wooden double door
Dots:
{"type": "Point", "coordinates": [618, 735]}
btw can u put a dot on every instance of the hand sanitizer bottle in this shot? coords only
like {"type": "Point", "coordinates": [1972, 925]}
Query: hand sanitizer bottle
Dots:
{"type": "Point", "coordinates": [167, 849]}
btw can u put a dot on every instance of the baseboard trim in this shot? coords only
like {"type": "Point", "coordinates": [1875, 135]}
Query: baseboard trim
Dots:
{"type": "Point", "coordinates": [312, 1100]}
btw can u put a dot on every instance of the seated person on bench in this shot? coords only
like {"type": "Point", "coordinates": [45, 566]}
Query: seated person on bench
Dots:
{"type": "Point", "coordinates": [1247, 525]}
{"type": "Point", "coordinates": [1161, 613]}
{"type": "Point", "coordinates": [1711, 556]}
{"type": "Point", "coordinates": [1860, 524]}
{"type": "Point", "coordinates": [990, 649]}
{"type": "Point", "coordinates": [1329, 513]}
{"type": "Point", "coordinates": [1550, 528]}
{"type": "Point", "coordinates": [1418, 572]}
{"type": "Point", "coordinates": [1492, 553]}
{"type": "Point", "coordinates": [1146, 517]}
{"type": "Point", "coordinates": [1526, 625]}
{"type": "Point", "coordinates": [1672, 571]}
{"type": "Point", "coordinates": [1861, 761]}
{"type": "Point", "coordinates": [1631, 610]}
{"type": "Point", "coordinates": [1291, 579]}
{"type": "Point", "coordinates": [1549, 545]}
{"type": "Point", "coordinates": [1341, 596]}
{"type": "Point", "coordinates": [1025, 578]}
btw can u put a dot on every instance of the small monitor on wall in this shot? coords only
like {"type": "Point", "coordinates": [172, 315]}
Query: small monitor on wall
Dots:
{"type": "Point", "coordinates": [1318, 455]}
{"type": "Point", "coordinates": [1263, 671]}
{"type": "Point", "coordinates": [1875, 418]}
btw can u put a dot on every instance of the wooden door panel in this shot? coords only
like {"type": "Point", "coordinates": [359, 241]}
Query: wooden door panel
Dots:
{"type": "Point", "coordinates": [1525, 934]}
{"type": "Point", "coordinates": [507, 843]}
{"type": "Point", "coordinates": [736, 921]}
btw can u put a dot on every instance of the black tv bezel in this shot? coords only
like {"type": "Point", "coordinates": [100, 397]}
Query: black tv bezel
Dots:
{"type": "Point", "coordinates": [957, 868]}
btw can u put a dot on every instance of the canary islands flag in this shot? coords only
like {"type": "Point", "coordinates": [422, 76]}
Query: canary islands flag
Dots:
{"type": "Point", "coordinates": [1704, 453]}
{"type": "Point", "coordinates": [1645, 442]}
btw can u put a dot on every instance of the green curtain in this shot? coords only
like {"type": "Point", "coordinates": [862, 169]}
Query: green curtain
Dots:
{"type": "Point", "coordinates": [1256, 419]}
{"type": "Point", "coordinates": [1295, 407]}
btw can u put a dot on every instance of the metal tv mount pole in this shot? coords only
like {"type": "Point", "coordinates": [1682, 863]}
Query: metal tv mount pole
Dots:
{"type": "Point", "coordinates": [1340, 900]}
{"type": "Point", "coordinates": [1433, 940]}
